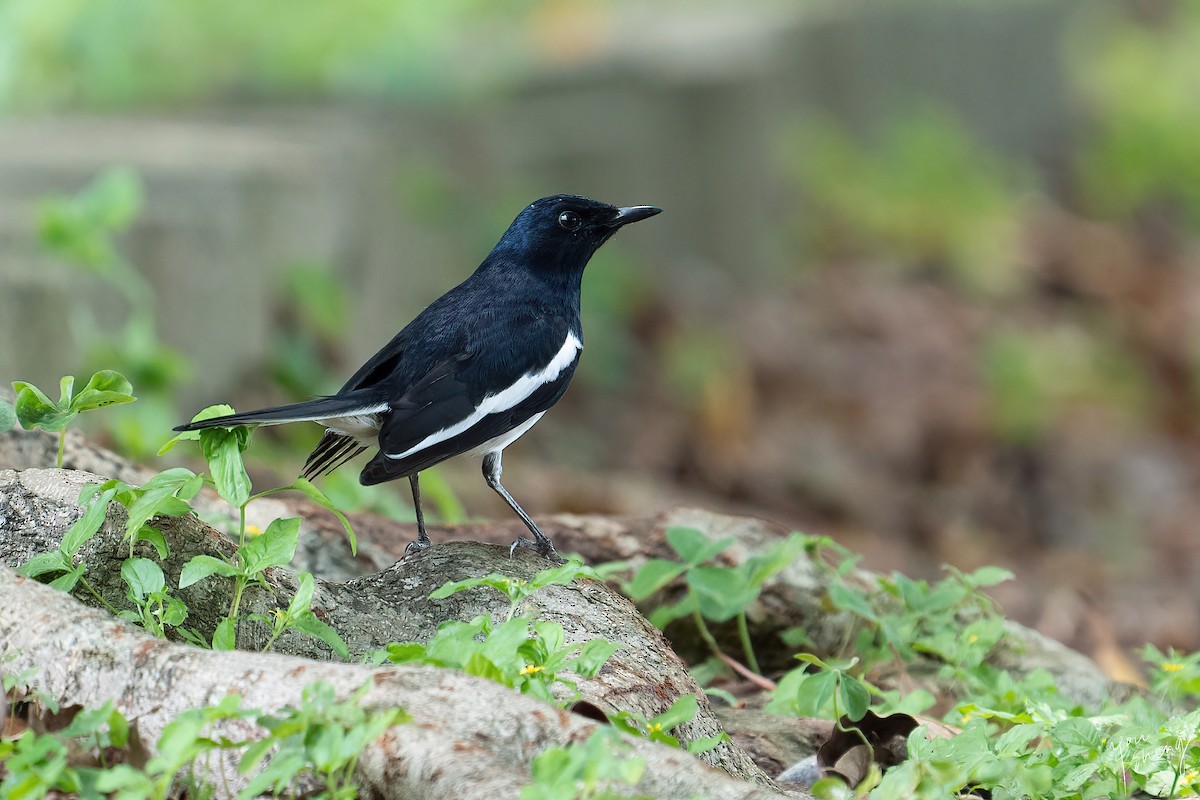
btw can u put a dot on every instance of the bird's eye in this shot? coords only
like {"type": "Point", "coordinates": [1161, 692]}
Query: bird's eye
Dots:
{"type": "Point", "coordinates": [569, 220]}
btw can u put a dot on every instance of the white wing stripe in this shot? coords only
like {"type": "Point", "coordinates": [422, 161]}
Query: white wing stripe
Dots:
{"type": "Point", "coordinates": [362, 411]}
{"type": "Point", "coordinates": [505, 439]}
{"type": "Point", "coordinates": [526, 385]}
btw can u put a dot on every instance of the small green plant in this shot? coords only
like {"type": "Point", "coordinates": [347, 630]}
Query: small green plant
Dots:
{"type": "Point", "coordinates": [156, 608]}
{"type": "Point", "coordinates": [951, 622]}
{"type": "Point", "coordinates": [65, 559]}
{"type": "Point", "coordinates": [184, 741]}
{"type": "Point", "coordinates": [299, 616]}
{"type": "Point", "coordinates": [517, 590]}
{"type": "Point", "coordinates": [658, 728]}
{"type": "Point", "coordinates": [1176, 676]}
{"type": "Point", "coordinates": [38, 764]}
{"type": "Point", "coordinates": [714, 593]}
{"type": "Point", "coordinates": [524, 653]}
{"type": "Point", "coordinates": [274, 547]}
{"type": "Point", "coordinates": [587, 770]}
{"type": "Point", "coordinates": [35, 410]}
{"type": "Point", "coordinates": [829, 691]}
{"type": "Point", "coordinates": [922, 192]}
{"type": "Point", "coordinates": [167, 495]}
{"type": "Point", "coordinates": [322, 737]}
{"type": "Point", "coordinates": [81, 230]}
{"type": "Point", "coordinates": [1019, 737]}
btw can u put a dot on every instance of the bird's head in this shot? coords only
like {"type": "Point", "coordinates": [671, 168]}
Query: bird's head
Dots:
{"type": "Point", "coordinates": [561, 232]}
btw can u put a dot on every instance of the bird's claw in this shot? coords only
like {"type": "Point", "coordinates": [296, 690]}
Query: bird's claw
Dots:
{"type": "Point", "coordinates": [417, 545]}
{"type": "Point", "coordinates": [543, 547]}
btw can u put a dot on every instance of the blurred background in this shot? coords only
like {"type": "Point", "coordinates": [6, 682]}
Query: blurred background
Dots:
{"type": "Point", "coordinates": [926, 279]}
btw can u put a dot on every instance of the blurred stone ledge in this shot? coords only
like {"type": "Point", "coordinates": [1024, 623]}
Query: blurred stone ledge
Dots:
{"type": "Point", "coordinates": [235, 194]}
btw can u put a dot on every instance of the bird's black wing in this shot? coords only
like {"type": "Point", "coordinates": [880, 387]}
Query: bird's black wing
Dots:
{"type": "Point", "coordinates": [496, 383]}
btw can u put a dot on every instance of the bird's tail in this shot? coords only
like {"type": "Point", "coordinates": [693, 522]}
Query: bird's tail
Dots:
{"type": "Point", "coordinates": [323, 408]}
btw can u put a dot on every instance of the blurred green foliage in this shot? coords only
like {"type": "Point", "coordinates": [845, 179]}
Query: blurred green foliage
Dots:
{"type": "Point", "coordinates": [922, 199]}
{"type": "Point", "coordinates": [120, 53]}
{"type": "Point", "coordinates": [919, 199]}
{"type": "Point", "coordinates": [922, 194]}
{"type": "Point", "coordinates": [82, 231]}
{"type": "Point", "coordinates": [1036, 379]}
{"type": "Point", "coordinates": [1142, 83]}
{"type": "Point", "coordinates": [315, 310]}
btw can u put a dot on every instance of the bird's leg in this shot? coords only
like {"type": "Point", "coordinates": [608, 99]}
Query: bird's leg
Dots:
{"type": "Point", "coordinates": [423, 540]}
{"type": "Point", "coordinates": [491, 473]}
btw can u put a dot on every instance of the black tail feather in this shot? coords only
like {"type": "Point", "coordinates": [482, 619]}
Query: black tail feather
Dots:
{"type": "Point", "coordinates": [340, 405]}
{"type": "Point", "coordinates": [330, 453]}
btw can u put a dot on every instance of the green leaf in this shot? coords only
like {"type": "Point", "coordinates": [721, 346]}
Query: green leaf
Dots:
{"type": "Point", "coordinates": [1075, 778]}
{"type": "Point", "coordinates": [66, 385]}
{"type": "Point", "coordinates": [158, 496]}
{"type": "Point", "coordinates": [852, 600]}
{"type": "Point", "coordinates": [402, 652]}
{"type": "Point", "coordinates": [663, 616]}
{"type": "Point", "coordinates": [706, 743]}
{"type": "Point", "coordinates": [118, 729]}
{"type": "Point", "coordinates": [67, 582]}
{"type": "Point", "coordinates": [113, 200]}
{"type": "Point", "coordinates": [143, 576]}
{"type": "Point", "coordinates": [480, 665]}
{"type": "Point", "coordinates": [1016, 740]}
{"type": "Point", "coordinates": [87, 526]}
{"type": "Point", "coordinates": [721, 694]}
{"type": "Point", "coordinates": [592, 657]}
{"type": "Point", "coordinates": [44, 564]}
{"type": "Point", "coordinates": [105, 388]}
{"type": "Point", "coordinates": [8, 416]}
{"type": "Point", "coordinates": [777, 557]}
{"type": "Point", "coordinates": [563, 575]}
{"type": "Point", "coordinates": [125, 781]}
{"type": "Point", "coordinates": [225, 636]}
{"type": "Point", "coordinates": [722, 592]}
{"type": "Point", "coordinates": [853, 697]}
{"type": "Point", "coordinates": [654, 575]}
{"type": "Point", "coordinates": [308, 623]}
{"type": "Point", "coordinates": [693, 546]}
{"type": "Point", "coordinates": [814, 693]}
{"type": "Point", "coordinates": [302, 599]}
{"type": "Point", "coordinates": [218, 410]}
{"type": "Point", "coordinates": [274, 547]}
{"type": "Point", "coordinates": [323, 746]}
{"type": "Point", "coordinates": [154, 537]}
{"type": "Point", "coordinates": [989, 576]}
{"type": "Point", "coordinates": [175, 611]}
{"type": "Point", "coordinates": [35, 410]}
{"type": "Point", "coordinates": [319, 497]}
{"type": "Point", "coordinates": [222, 448]}
{"type": "Point", "coordinates": [514, 589]}
{"type": "Point", "coordinates": [200, 567]}
{"type": "Point", "coordinates": [681, 711]}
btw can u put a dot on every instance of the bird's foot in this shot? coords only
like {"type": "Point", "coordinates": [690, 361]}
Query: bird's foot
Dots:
{"type": "Point", "coordinates": [421, 543]}
{"type": "Point", "coordinates": [543, 547]}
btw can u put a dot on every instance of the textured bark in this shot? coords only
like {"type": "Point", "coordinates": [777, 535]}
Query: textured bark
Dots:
{"type": "Point", "coordinates": [469, 738]}
{"type": "Point", "coordinates": [371, 603]}
{"type": "Point", "coordinates": [796, 597]}
{"type": "Point", "coordinates": [645, 676]}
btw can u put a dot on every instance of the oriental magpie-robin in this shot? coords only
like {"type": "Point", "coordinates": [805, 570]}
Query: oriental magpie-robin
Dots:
{"type": "Point", "coordinates": [476, 369]}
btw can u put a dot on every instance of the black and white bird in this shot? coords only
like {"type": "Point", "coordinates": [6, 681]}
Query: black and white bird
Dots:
{"type": "Point", "coordinates": [473, 371]}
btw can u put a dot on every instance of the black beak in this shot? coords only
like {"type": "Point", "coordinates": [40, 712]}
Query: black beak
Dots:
{"type": "Point", "coordinates": [633, 214]}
